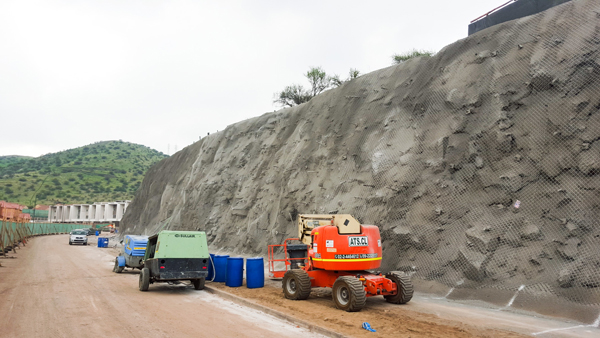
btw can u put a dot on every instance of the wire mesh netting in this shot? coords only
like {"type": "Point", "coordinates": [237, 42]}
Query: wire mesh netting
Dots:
{"type": "Point", "coordinates": [480, 165]}
{"type": "Point", "coordinates": [509, 198]}
{"type": "Point", "coordinates": [496, 180]}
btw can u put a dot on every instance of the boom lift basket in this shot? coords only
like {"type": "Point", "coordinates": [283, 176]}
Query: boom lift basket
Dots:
{"type": "Point", "coordinates": [295, 256]}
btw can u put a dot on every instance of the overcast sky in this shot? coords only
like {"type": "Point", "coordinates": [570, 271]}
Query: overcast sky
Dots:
{"type": "Point", "coordinates": [162, 73]}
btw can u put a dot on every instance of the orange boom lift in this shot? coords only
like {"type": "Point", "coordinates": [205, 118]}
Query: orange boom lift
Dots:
{"type": "Point", "coordinates": [336, 251]}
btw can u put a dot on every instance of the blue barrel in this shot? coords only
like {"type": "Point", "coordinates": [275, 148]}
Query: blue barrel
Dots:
{"type": "Point", "coordinates": [103, 242]}
{"type": "Point", "coordinates": [97, 233]}
{"type": "Point", "coordinates": [255, 273]}
{"type": "Point", "coordinates": [211, 271]}
{"type": "Point", "coordinates": [235, 272]}
{"type": "Point", "coordinates": [220, 267]}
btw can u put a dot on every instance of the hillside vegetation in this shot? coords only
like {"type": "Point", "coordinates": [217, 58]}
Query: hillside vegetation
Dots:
{"type": "Point", "coordinates": [5, 161]}
{"type": "Point", "coordinates": [104, 171]}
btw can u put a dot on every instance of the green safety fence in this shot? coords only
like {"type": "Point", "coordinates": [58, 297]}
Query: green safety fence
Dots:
{"type": "Point", "coordinates": [51, 228]}
{"type": "Point", "coordinates": [37, 213]}
{"type": "Point", "coordinates": [14, 233]}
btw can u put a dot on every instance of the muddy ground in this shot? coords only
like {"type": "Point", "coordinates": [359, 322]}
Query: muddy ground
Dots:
{"type": "Point", "coordinates": [424, 316]}
{"type": "Point", "coordinates": [389, 321]}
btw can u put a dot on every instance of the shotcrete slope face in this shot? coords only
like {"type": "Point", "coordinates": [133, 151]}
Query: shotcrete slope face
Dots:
{"type": "Point", "coordinates": [480, 166]}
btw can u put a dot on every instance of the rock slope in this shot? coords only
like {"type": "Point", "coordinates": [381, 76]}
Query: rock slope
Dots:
{"type": "Point", "coordinates": [480, 164]}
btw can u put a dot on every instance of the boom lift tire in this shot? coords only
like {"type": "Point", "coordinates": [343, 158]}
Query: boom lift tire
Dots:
{"type": "Point", "coordinates": [349, 294]}
{"type": "Point", "coordinates": [198, 283]}
{"type": "Point", "coordinates": [404, 285]}
{"type": "Point", "coordinates": [117, 268]}
{"type": "Point", "coordinates": [144, 279]}
{"type": "Point", "coordinates": [296, 284]}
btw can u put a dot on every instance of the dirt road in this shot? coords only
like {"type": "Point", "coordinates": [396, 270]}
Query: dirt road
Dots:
{"type": "Point", "coordinates": [55, 290]}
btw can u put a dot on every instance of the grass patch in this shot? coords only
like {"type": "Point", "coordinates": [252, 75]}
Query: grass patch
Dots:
{"type": "Point", "coordinates": [399, 58]}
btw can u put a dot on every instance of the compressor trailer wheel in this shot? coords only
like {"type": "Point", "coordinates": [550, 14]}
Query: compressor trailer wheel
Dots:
{"type": "Point", "coordinates": [117, 268]}
{"type": "Point", "coordinates": [144, 279]}
{"type": "Point", "coordinates": [198, 283]}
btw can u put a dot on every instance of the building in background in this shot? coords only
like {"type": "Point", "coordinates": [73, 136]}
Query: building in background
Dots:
{"type": "Point", "coordinates": [100, 212]}
{"type": "Point", "coordinates": [12, 212]}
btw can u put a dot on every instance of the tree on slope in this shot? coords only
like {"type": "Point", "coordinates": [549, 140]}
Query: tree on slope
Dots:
{"type": "Point", "coordinates": [352, 74]}
{"type": "Point", "coordinates": [319, 82]}
{"type": "Point", "coordinates": [292, 96]}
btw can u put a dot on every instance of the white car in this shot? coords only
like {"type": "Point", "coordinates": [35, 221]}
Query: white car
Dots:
{"type": "Point", "coordinates": [78, 236]}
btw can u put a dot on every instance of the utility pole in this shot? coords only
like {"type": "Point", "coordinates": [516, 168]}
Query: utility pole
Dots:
{"type": "Point", "coordinates": [35, 196]}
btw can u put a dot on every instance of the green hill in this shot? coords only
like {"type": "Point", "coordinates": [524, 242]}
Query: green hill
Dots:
{"type": "Point", "coordinates": [103, 171]}
{"type": "Point", "coordinates": [8, 160]}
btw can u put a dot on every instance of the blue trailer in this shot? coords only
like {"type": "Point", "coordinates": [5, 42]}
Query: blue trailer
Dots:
{"type": "Point", "coordinates": [132, 256]}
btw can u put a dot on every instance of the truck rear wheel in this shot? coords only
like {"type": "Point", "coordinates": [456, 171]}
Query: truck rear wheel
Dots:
{"type": "Point", "coordinates": [404, 286]}
{"type": "Point", "coordinates": [349, 294]}
{"type": "Point", "coordinates": [117, 268]}
{"type": "Point", "coordinates": [296, 284]}
{"type": "Point", "coordinates": [198, 283]}
{"type": "Point", "coordinates": [144, 279]}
